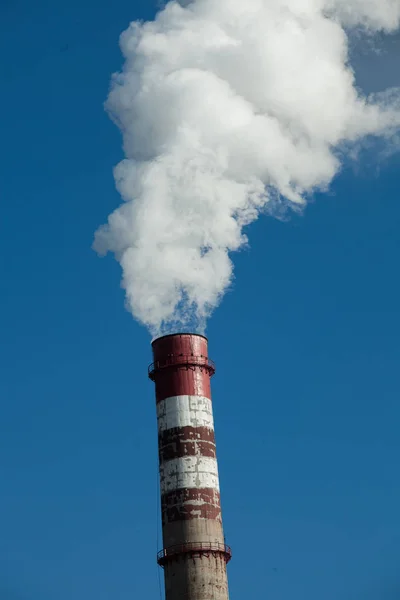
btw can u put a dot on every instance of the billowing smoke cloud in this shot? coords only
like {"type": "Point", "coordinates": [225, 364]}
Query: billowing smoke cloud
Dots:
{"type": "Point", "coordinates": [229, 108]}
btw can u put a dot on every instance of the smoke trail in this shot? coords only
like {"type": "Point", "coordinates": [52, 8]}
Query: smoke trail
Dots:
{"type": "Point", "coordinates": [228, 108]}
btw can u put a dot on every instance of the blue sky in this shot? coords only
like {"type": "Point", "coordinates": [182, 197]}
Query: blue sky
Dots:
{"type": "Point", "coordinates": [306, 344]}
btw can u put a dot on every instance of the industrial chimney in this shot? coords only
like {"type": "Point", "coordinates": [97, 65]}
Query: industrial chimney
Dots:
{"type": "Point", "coordinates": [194, 556]}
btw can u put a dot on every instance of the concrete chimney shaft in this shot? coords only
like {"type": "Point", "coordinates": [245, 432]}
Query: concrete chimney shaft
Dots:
{"type": "Point", "coordinates": [194, 556]}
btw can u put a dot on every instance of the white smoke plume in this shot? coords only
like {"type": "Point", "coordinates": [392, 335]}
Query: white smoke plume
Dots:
{"type": "Point", "coordinates": [228, 108]}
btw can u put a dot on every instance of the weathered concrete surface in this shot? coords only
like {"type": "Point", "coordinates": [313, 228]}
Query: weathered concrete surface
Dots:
{"type": "Point", "coordinates": [198, 578]}
{"type": "Point", "coordinates": [193, 530]}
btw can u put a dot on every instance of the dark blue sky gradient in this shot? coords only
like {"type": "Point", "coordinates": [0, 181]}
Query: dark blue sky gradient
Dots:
{"type": "Point", "coordinates": [306, 343]}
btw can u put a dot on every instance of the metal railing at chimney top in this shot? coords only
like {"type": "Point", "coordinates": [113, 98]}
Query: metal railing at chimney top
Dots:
{"type": "Point", "coordinates": [182, 361]}
{"type": "Point", "coordinates": [194, 548]}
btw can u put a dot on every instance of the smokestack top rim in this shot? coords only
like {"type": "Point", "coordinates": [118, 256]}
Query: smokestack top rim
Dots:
{"type": "Point", "coordinates": [185, 333]}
